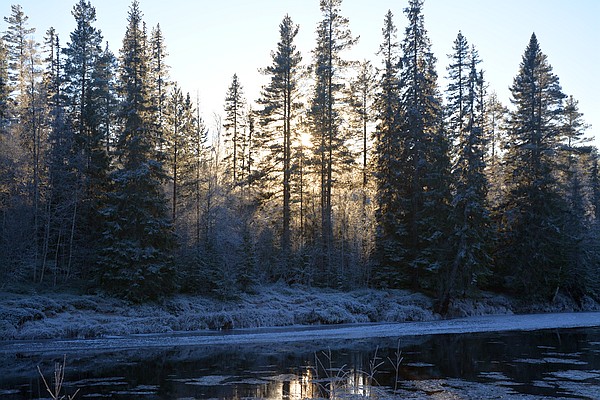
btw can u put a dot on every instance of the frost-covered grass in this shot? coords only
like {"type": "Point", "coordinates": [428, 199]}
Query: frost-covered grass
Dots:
{"type": "Point", "coordinates": [69, 316]}
{"type": "Point", "coordinates": [61, 315]}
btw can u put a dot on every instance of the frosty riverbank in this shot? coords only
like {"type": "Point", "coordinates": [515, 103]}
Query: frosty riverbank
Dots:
{"type": "Point", "coordinates": [477, 324]}
{"type": "Point", "coordinates": [56, 316]}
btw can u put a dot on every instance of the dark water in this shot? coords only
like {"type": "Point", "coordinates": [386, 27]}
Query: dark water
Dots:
{"type": "Point", "coordinates": [541, 364]}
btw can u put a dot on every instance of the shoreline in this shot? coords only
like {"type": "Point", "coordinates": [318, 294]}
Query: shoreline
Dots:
{"type": "Point", "coordinates": [296, 334]}
{"type": "Point", "coordinates": [62, 316]}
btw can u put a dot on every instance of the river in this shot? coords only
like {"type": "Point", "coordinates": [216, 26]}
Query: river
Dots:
{"type": "Point", "coordinates": [532, 364]}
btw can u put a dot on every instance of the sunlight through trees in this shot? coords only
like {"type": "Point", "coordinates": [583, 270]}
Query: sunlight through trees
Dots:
{"type": "Point", "coordinates": [342, 174]}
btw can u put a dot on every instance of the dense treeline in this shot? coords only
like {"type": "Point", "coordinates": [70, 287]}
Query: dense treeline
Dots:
{"type": "Point", "coordinates": [341, 174]}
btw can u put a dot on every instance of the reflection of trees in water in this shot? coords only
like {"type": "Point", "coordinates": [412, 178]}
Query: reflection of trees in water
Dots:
{"type": "Point", "coordinates": [302, 386]}
{"type": "Point", "coordinates": [339, 383]}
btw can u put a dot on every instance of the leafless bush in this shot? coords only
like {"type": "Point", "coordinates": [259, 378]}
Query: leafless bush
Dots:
{"type": "Point", "coordinates": [58, 381]}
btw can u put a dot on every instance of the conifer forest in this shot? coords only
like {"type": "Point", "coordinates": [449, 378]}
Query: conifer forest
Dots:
{"type": "Point", "coordinates": [342, 174]}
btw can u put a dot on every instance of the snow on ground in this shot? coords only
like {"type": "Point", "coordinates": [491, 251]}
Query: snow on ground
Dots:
{"type": "Point", "coordinates": [54, 316]}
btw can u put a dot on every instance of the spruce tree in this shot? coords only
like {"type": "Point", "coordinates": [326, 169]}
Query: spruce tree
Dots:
{"type": "Point", "coordinates": [330, 151]}
{"type": "Point", "coordinates": [16, 39]}
{"type": "Point", "coordinates": [532, 252]}
{"type": "Point", "coordinates": [181, 148]}
{"type": "Point", "coordinates": [159, 80]}
{"type": "Point", "coordinates": [471, 231]}
{"type": "Point", "coordinates": [592, 283]}
{"type": "Point", "coordinates": [136, 256]}
{"type": "Point", "coordinates": [423, 195]}
{"type": "Point", "coordinates": [62, 242]}
{"type": "Point", "coordinates": [52, 79]}
{"type": "Point", "coordinates": [576, 162]}
{"type": "Point", "coordinates": [235, 125]}
{"type": "Point", "coordinates": [82, 54]}
{"type": "Point", "coordinates": [84, 89]}
{"type": "Point", "coordinates": [279, 101]}
{"type": "Point", "coordinates": [388, 145]}
{"type": "Point", "coordinates": [61, 189]}
{"type": "Point", "coordinates": [495, 130]}
{"type": "Point", "coordinates": [104, 96]}
{"type": "Point", "coordinates": [573, 127]}
{"type": "Point", "coordinates": [248, 151]}
{"type": "Point", "coordinates": [456, 94]}
{"type": "Point", "coordinates": [175, 122]}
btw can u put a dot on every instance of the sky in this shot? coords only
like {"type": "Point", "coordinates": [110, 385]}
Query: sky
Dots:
{"type": "Point", "coordinates": [209, 41]}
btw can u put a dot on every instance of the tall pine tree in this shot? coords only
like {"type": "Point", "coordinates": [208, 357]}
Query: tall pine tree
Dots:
{"type": "Point", "coordinates": [388, 145]}
{"type": "Point", "coordinates": [330, 151]}
{"type": "Point", "coordinates": [279, 101]}
{"type": "Point", "coordinates": [62, 242]}
{"type": "Point", "coordinates": [235, 125]}
{"type": "Point", "coordinates": [137, 244]}
{"type": "Point", "coordinates": [83, 92]}
{"type": "Point", "coordinates": [422, 196]}
{"type": "Point", "coordinates": [532, 252]}
{"type": "Point", "coordinates": [159, 81]}
{"type": "Point", "coordinates": [495, 131]}
{"type": "Point", "coordinates": [582, 244]}
{"type": "Point", "coordinates": [471, 233]}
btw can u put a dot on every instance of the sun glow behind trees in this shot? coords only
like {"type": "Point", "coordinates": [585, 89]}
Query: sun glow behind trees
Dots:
{"type": "Point", "coordinates": [332, 175]}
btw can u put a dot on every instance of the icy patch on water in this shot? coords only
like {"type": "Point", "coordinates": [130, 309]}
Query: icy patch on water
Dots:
{"type": "Point", "coordinates": [140, 390]}
{"type": "Point", "coordinates": [582, 390]}
{"type": "Point", "coordinates": [496, 376]}
{"type": "Point", "coordinates": [209, 380]}
{"type": "Point", "coordinates": [146, 387]}
{"type": "Point", "coordinates": [576, 375]}
{"type": "Point", "coordinates": [553, 360]}
{"type": "Point", "coordinates": [133, 393]}
{"type": "Point", "coordinates": [499, 378]}
{"type": "Point", "coordinates": [561, 355]}
{"type": "Point", "coordinates": [419, 365]}
{"type": "Point", "coordinates": [114, 381]}
{"type": "Point", "coordinates": [550, 360]}
{"type": "Point", "coordinates": [456, 389]}
{"type": "Point", "coordinates": [544, 384]}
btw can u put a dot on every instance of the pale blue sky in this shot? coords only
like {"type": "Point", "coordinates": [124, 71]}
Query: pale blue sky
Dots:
{"type": "Point", "coordinates": [209, 41]}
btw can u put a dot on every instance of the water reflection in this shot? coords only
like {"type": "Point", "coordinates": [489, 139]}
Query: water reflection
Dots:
{"type": "Point", "coordinates": [338, 383]}
{"type": "Point", "coordinates": [296, 388]}
{"type": "Point", "coordinates": [542, 364]}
